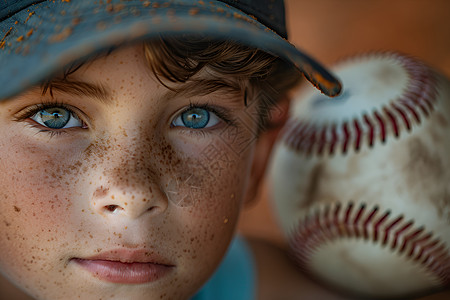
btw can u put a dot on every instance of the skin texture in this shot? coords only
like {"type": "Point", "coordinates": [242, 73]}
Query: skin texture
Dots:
{"type": "Point", "coordinates": [55, 189]}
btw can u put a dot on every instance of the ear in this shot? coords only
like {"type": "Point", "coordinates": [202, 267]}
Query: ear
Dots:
{"type": "Point", "coordinates": [278, 116]}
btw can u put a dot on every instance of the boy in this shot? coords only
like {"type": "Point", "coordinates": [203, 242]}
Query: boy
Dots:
{"type": "Point", "coordinates": [132, 134]}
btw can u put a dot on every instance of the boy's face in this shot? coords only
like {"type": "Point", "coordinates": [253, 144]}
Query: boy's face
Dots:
{"type": "Point", "coordinates": [121, 172]}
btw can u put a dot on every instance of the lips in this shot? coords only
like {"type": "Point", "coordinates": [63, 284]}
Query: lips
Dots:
{"type": "Point", "coordinates": [126, 266]}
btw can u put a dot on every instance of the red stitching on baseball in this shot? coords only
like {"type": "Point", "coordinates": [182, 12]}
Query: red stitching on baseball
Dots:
{"type": "Point", "coordinates": [399, 116]}
{"type": "Point", "coordinates": [388, 229]}
{"type": "Point", "coordinates": [347, 217]}
{"type": "Point", "coordinates": [312, 139]}
{"type": "Point", "coordinates": [371, 129]}
{"type": "Point", "coordinates": [358, 134]}
{"type": "Point", "coordinates": [358, 216]}
{"type": "Point", "coordinates": [379, 223]}
{"type": "Point", "coordinates": [334, 139]}
{"type": "Point", "coordinates": [336, 221]}
{"type": "Point", "coordinates": [346, 137]}
{"type": "Point", "coordinates": [411, 108]}
{"type": "Point", "coordinates": [411, 238]}
{"type": "Point", "coordinates": [368, 220]}
{"type": "Point", "coordinates": [302, 131]}
{"type": "Point", "coordinates": [328, 224]}
{"type": "Point", "coordinates": [322, 139]}
{"type": "Point", "coordinates": [382, 126]}
{"type": "Point", "coordinates": [403, 115]}
{"type": "Point", "coordinates": [392, 120]}
{"type": "Point", "coordinates": [399, 232]}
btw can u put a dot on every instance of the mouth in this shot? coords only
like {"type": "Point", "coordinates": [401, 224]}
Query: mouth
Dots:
{"type": "Point", "coordinates": [126, 266]}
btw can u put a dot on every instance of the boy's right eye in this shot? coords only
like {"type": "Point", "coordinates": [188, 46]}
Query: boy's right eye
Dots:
{"type": "Point", "coordinates": [52, 117]}
{"type": "Point", "coordinates": [57, 118]}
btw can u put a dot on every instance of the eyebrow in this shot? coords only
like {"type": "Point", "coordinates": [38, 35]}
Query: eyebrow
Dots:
{"type": "Point", "coordinates": [96, 91]}
{"type": "Point", "coordinates": [100, 92]}
{"type": "Point", "coordinates": [202, 87]}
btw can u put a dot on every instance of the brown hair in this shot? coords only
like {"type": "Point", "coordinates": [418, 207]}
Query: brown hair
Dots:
{"type": "Point", "coordinates": [258, 75]}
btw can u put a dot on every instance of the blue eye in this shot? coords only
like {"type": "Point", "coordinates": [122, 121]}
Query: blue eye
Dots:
{"type": "Point", "coordinates": [56, 118]}
{"type": "Point", "coordinates": [196, 118]}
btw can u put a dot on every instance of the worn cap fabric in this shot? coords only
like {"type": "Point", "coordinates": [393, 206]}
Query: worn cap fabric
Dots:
{"type": "Point", "coordinates": [39, 38]}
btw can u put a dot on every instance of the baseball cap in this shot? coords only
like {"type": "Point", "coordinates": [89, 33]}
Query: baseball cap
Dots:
{"type": "Point", "coordinates": [40, 37]}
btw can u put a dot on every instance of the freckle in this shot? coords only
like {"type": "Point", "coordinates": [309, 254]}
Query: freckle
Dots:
{"type": "Point", "coordinates": [101, 192]}
{"type": "Point", "coordinates": [126, 203]}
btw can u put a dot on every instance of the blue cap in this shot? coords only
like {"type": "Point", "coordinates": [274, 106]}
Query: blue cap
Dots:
{"type": "Point", "coordinates": [40, 37]}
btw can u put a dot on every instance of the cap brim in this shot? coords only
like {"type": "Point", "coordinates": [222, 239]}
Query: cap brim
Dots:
{"type": "Point", "coordinates": [44, 38]}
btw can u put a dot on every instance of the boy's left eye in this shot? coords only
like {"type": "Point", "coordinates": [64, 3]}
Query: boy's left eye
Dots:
{"type": "Point", "coordinates": [56, 118]}
{"type": "Point", "coordinates": [196, 118]}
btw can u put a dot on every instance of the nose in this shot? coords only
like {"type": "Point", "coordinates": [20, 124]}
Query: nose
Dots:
{"type": "Point", "coordinates": [126, 184]}
{"type": "Point", "coordinates": [113, 200]}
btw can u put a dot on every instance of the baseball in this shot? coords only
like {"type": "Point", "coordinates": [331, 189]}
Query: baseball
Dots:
{"type": "Point", "coordinates": [360, 182]}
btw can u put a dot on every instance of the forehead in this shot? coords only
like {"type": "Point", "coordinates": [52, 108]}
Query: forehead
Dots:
{"type": "Point", "coordinates": [98, 77]}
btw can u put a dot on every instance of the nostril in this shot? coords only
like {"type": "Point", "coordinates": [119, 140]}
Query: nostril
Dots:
{"type": "Point", "coordinates": [112, 208]}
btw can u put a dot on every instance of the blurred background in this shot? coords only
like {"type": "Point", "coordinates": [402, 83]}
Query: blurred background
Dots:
{"type": "Point", "coordinates": [330, 30]}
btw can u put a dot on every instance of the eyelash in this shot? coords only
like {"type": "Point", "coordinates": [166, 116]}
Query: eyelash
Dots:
{"type": "Point", "coordinates": [34, 109]}
{"type": "Point", "coordinates": [222, 113]}
{"type": "Point", "coordinates": [30, 111]}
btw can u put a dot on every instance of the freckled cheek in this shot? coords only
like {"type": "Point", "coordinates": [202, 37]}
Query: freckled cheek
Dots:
{"type": "Point", "coordinates": [208, 227]}
{"type": "Point", "coordinates": [34, 222]}
{"type": "Point", "coordinates": [210, 221]}
{"type": "Point", "coordinates": [36, 190]}
{"type": "Point", "coordinates": [214, 186]}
